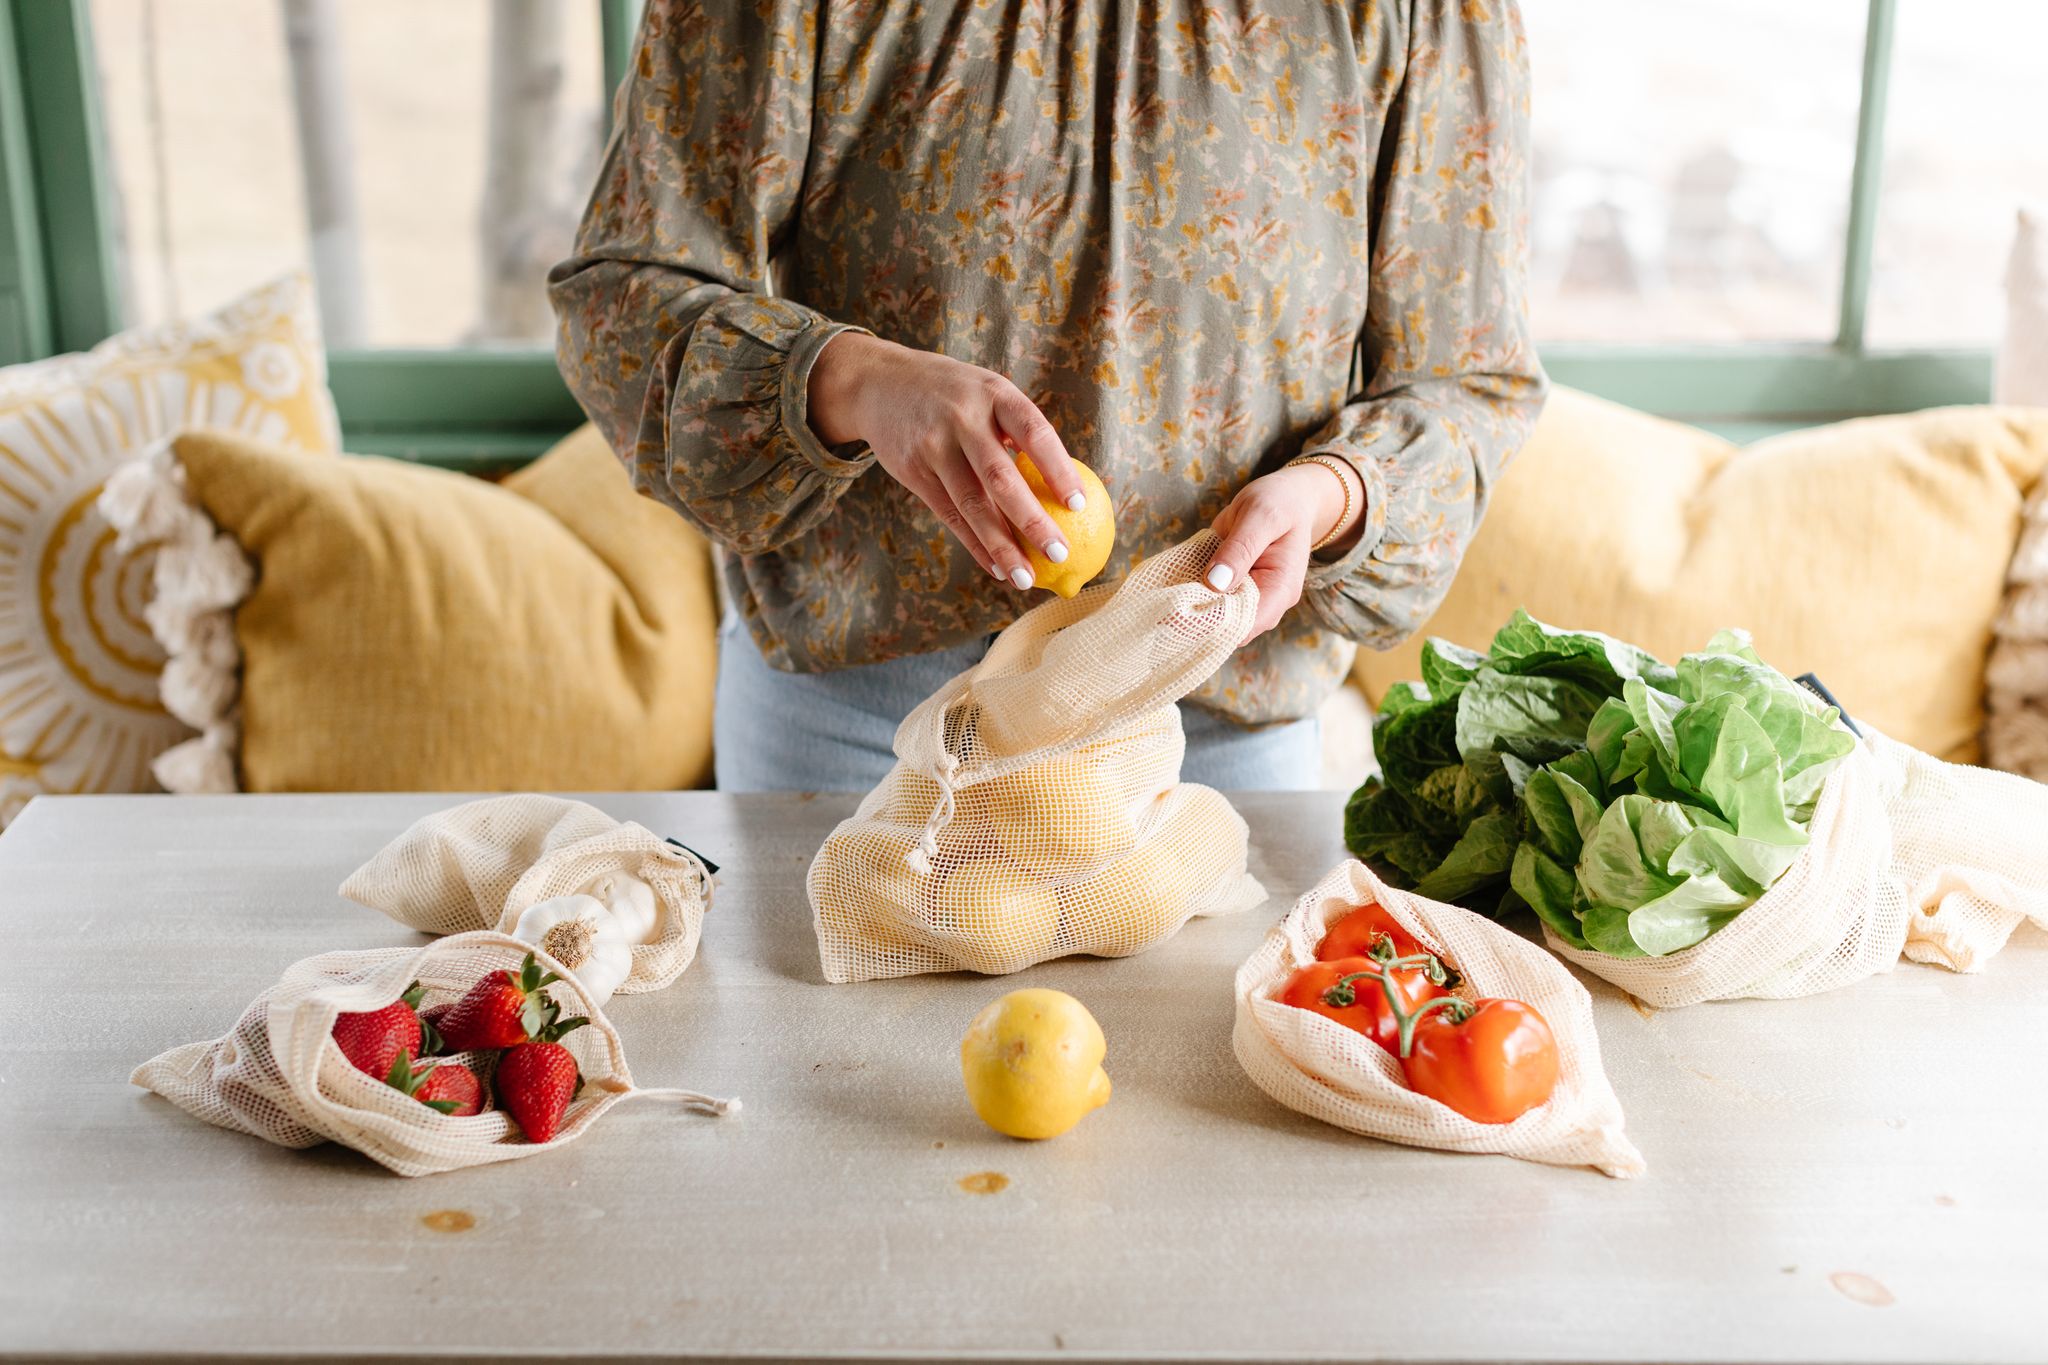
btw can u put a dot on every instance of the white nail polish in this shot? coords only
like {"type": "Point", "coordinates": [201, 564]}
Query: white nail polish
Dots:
{"type": "Point", "coordinates": [1021, 578]}
{"type": "Point", "coordinates": [1077, 502]}
{"type": "Point", "coordinates": [995, 571]}
{"type": "Point", "coordinates": [1056, 551]}
{"type": "Point", "coordinates": [1220, 576]}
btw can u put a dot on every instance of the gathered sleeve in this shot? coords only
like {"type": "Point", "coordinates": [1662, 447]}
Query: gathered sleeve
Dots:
{"type": "Point", "coordinates": [667, 333]}
{"type": "Point", "coordinates": [1451, 381]}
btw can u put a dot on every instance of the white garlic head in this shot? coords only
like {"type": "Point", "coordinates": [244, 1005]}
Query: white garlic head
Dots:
{"type": "Point", "coordinates": [632, 903]}
{"type": "Point", "coordinates": [581, 934]}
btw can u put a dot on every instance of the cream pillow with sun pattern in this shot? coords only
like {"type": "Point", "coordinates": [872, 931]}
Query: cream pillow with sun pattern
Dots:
{"type": "Point", "coordinates": [79, 710]}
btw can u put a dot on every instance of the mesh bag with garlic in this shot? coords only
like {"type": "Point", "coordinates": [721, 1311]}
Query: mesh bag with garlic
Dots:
{"type": "Point", "coordinates": [280, 1074]}
{"type": "Point", "coordinates": [1036, 808]}
{"type": "Point", "coordinates": [614, 902]}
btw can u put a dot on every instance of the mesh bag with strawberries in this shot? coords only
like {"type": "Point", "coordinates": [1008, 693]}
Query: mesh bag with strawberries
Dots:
{"type": "Point", "coordinates": [1036, 808]}
{"type": "Point", "coordinates": [469, 1050]}
{"type": "Point", "coordinates": [487, 864]}
{"type": "Point", "coordinates": [1416, 1022]}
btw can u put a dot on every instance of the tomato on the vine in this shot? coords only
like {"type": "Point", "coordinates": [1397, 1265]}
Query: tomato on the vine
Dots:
{"type": "Point", "coordinates": [1353, 992]}
{"type": "Point", "coordinates": [1359, 933]}
{"type": "Point", "coordinates": [1491, 1060]}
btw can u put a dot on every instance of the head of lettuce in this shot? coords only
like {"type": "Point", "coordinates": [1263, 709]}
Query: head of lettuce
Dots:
{"type": "Point", "coordinates": [1634, 806]}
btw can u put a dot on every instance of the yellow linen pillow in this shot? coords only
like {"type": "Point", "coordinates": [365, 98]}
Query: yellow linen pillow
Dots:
{"type": "Point", "coordinates": [1871, 553]}
{"type": "Point", "coordinates": [419, 630]}
{"type": "Point", "coordinates": [79, 710]}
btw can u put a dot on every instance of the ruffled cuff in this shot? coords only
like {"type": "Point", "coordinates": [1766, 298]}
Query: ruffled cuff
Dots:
{"type": "Point", "coordinates": [842, 461]}
{"type": "Point", "coordinates": [740, 457]}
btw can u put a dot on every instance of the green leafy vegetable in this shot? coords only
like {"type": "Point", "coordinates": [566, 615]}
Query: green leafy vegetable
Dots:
{"type": "Point", "coordinates": [1455, 749]}
{"type": "Point", "coordinates": [1634, 808]}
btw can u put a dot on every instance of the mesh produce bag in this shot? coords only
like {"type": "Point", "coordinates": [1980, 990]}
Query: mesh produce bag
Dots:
{"type": "Point", "coordinates": [279, 1076]}
{"type": "Point", "coordinates": [1036, 807]}
{"type": "Point", "coordinates": [482, 864]}
{"type": "Point", "coordinates": [1320, 1068]}
{"type": "Point", "coordinates": [1908, 855]}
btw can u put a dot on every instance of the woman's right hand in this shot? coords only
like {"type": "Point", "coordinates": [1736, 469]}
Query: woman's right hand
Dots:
{"type": "Point", "coordinates": [943, 429]}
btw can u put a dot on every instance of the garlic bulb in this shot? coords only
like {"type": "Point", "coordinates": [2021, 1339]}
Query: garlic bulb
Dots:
{"type": "Point", "coordinates": [578, 932]}
{"type": "Point", "coordinates": [632, 904]}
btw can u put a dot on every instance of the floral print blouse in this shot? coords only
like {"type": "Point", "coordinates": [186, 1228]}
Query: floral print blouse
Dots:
{"type": "Point", "coordinates": [1205, 237]}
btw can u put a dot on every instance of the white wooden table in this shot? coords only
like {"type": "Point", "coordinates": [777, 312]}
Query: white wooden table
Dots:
{"type": "Point", "coordinates": [1862, 1176]}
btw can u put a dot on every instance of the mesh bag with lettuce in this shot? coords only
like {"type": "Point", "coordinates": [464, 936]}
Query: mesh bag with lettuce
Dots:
{"type": "Point", "coordinates": [1699, 831]}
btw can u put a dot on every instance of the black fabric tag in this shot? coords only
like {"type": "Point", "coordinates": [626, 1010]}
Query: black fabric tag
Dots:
{"type": "Point", "coordinates": [709, 866]}
{"type": "Point", "coordinates": [1820, 689]}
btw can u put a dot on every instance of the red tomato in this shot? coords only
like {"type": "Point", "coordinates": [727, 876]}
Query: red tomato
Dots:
{"type": "Point", "coordinates": [1360, 931]}
{"type": "Point", "coordinates": [1491, 1060]}
{"type": "Point", "coordinates": [1351, 990]}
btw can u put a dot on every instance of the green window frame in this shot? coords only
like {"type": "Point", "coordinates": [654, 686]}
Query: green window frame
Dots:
{"type": "Point", "coordinates": [482, 408]}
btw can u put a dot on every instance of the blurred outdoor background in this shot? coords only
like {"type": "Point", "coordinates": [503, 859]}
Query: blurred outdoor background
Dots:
{"type": "Point", "coordinates": [1692, 163]}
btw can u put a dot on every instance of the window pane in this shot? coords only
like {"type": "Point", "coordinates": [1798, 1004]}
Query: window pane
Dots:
{"type": "Point", "coordinates": [1691, 167]}
{"type": "Point", "coordinates": [1966, 143]}
{"type": "Point", "coordinates": [454, 154]}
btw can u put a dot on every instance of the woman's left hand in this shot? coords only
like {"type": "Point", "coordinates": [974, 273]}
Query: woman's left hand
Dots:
{"type": "Point", "coordinates": [1270, 524]}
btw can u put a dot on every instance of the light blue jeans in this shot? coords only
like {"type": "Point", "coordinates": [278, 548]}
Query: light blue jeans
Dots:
{"type": "Point", "coordinates": [777, 731]}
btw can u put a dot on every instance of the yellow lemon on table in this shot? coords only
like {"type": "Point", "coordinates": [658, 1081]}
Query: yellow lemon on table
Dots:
{"type": "Point", "coordinates": [993, 918]}
{"type": "Point", "coordinates": [1032, 1062]}
{"type": "Point", "coordinates": [1090, 533]}
{"type": "Point", "coordinates": [1070, 811]}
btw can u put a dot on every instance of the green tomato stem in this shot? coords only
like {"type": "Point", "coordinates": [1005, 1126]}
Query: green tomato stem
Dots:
{"type": "Point", "coordinates": [1459, 1010]}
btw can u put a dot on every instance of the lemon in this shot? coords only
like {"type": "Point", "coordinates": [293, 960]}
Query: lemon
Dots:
{"type": "Point", "coordinates": [1069, 811]}
{"type": "Point", "coordinates": [865, 889]}
{"type": "Point", "coordinates": [1032, 1062]}
{"type": "Point", "coordinates": [1090, 533]}
{"type": "Point", "coordinates": [1137, 901]}
{"type": "Point", "coordinates": [993, 917]}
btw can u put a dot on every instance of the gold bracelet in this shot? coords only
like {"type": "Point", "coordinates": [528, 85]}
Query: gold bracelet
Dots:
{"type": "Point", "coordinates": [1342, 474]}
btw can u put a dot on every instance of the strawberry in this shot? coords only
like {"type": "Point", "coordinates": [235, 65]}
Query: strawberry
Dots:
{"type": "Point", "coordinates": [536, 1081]}
{"type": "Point", "coordinates": [371, 1039]}
{"type": "Point", "coordinates": [502, 1010]}
{"type": "Point", "coordinates": [447, 1086]}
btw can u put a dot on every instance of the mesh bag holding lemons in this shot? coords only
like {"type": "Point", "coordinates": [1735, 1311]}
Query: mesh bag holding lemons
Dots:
{"type": "Point", "coordinates": [1036, 808]}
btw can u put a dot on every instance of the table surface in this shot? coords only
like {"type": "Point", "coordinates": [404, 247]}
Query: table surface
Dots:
{"type": "Point", "coordinates": [1858, 1176]}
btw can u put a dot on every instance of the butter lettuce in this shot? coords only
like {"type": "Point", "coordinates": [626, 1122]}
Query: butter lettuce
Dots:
{"type": "Point", "coordinates": [1634, 808]}
{"type": "Point", "coordinates": [1444, 818]}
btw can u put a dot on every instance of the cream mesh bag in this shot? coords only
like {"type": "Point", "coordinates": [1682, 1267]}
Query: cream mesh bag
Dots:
{"type": "Point", "coordinates": [1909, 855]}
{"type": "Point", "coordinates": [1318, 1067]}
{"type": "Point", "coordinates": [482, 864]}
{"type": "Point", "coordinates": [277, 1074]}
{"type": "Point", "coordinates": [1036, 807]}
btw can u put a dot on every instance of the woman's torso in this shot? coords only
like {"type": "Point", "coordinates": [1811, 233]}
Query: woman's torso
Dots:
{"type": "Point", "coordinates": [1151, 217]}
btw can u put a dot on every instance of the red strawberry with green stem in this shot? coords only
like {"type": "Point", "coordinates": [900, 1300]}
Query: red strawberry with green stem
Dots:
{"type": "Point", "coordinates": [373, 1038]}
{"type": "Point", "coordinates": [502, 1010]}
{"type": "Point", "coordinates": [537, 1080]}
{"type": "Point", "coordinates": [448, 1087]}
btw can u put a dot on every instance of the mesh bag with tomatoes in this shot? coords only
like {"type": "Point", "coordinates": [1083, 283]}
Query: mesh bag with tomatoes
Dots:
{"type": "Point", "coordinates": [1908, 856]}
{"type": "Point", "coordinates": [1036, 808]}
{"type": "Point", "coordinates": [1501, 1054]}
{"type": "Point", "coordinates": [336, 1051]}
{"type": "Point", "coordinates": [483, 864]}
